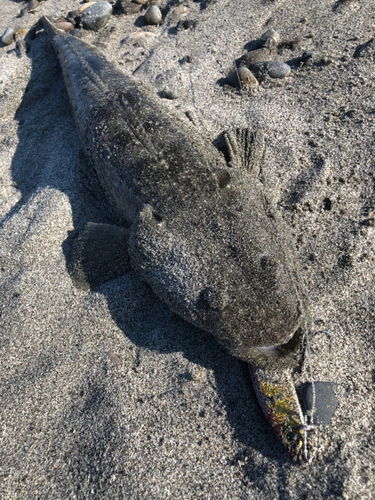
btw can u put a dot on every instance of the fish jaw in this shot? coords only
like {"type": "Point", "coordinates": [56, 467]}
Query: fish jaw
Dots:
{"type": "Point", "coordinates": [278, 399]}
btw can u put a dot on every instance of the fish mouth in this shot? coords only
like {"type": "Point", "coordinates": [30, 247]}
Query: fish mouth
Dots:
{"type": "Point", "coordinates": [288, 355]}
{"type": "Point", "coordinates": [293, 343]}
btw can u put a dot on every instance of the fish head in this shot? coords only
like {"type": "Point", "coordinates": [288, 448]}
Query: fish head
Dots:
{"type": "Point", "coordinates": [234, 283]}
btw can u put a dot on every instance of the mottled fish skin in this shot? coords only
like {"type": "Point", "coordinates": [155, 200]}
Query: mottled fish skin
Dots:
{"type": "Point", "coordinates": [201, 231]}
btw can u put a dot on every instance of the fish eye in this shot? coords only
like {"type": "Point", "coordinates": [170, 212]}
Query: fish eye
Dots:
{"type": "Point", "coordinates": [210, 299]}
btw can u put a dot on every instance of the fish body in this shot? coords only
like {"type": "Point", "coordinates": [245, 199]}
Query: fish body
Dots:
{"type": "Point", "coordinates": [200, 229]}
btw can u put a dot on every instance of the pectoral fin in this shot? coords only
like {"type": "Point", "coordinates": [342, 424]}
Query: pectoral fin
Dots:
{"type": "Point", "coordinates": [99, 254]}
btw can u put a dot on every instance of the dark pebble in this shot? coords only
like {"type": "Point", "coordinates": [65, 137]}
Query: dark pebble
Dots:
{"type": "Point", "coordinates": [292, 44]}
{"type": "Point", "coordinates": [96, 16]}
{"type": "Point", "coordinates": [326, 401]}
{"type": "Point", "coordinates": [186, 59]}
{"type": "Point", "coordinates": [169, 94]}
{"type": "Point", "coordinates": [74, 18]}
{"type": "Point", "coordinates": [127, 7]}
{"type": "Point", "coordinates": [185, 25]}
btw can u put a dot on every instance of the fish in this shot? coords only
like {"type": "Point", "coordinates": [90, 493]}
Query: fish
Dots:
{"type": "Point", "coordinates": [194, 223]}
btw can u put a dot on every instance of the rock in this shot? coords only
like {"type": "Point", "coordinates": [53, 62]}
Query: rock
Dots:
{"type": "Point", "coordinates": [153, 15]}
{"type": "Point", "coordinates": [31, 6]}
{"type": "Point", "coordinates": [241, 76]}
{"type": "Point", "coordinates": [291, 44]}
{"type": "Point", "coordinates": [186, 60]}
{"type": "Point", "coordinates": [326, 401]}
{"type": "Point", "coordinates": [186, 24]}
{"type": "Point", "coordinates": [127, 7]}
{"type": "Point", "coordinates": [76, 32]}
{"type": "Point", "coordinates": [169, 94]}
{"type": "Point", "coordinates": [274, 69]}
{"type": "Point", "coordinates": [64, 26]}
{"type": "Point", "coordinates": [96, 16]}
{"type": "Point", "coordinates": [8, 37]}
{"type": "Point", "coordinates": [271, 39]}
{"type": "Point", "coordinates": [140, 2]}
{"type": "Point", "coordinates": [262, 54]}
{"type": "Point", "coordinates": [73, 17]}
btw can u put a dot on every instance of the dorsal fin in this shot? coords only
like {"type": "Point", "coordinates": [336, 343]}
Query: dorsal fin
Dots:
{"type": "Point", "coordinates": [245, 148]}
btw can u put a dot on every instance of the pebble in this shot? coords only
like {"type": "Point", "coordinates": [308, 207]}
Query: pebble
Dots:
{"type": "Point", "coordinates": [96, 16]}
{"type": "Point", "coordinates": [152, 2]}
{"type": "Point", "coordinates": [76, 32]}
{"type": "Point", "coordinates": [262, 54]}
{"type": "Point", "coordinates": [244, 74]}
{"type": "Point", "coordinates": [326, 401]}
{"type": "Point", "coordinates": [127, 7]}
{"type": "Point", "coordinates": [274, 69]}
{"type": "Point", "coordinates": [64, 26]}
{"type": "Point", "coordinates": [271, 38]}
{"type": "Point", "coordinates": [153, 15]}
{"type": "Point", "coordinates": [8, 37]}
{"type": "Point", "coordinates": [291, 44]}
{"type": "Point", "coordinates": [140, 2]}
{"type": "Point", "coordinates": [73, 17]}
{"type": "Point", "coordinates": [169, 94]}
{"type": "Point", "coordinates": [33, 4]}
{"type": "Point", "coordinates": [29, 7]}
{"type": "Point", "coordinates": [185, 25]}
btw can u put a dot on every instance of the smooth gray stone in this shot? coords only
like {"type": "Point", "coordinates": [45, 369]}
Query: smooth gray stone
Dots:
{"type": "Point", "coordinates": [274, 69]}
{"type": "Point", "coordinates": [8, 37]}
{"type": "Point", "coordinates": [153, 15]}
{"type": "Point", "coordinates": [96, 16]}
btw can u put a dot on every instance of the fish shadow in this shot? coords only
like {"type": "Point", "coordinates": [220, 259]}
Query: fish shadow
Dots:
{"type": "Point", "coordinates": [151, 325]}
{"type": "Point", "coordinates": [50, 154]}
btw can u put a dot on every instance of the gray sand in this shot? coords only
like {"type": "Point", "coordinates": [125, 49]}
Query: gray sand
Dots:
{"type": "Point", "coordinates": [108, 394]}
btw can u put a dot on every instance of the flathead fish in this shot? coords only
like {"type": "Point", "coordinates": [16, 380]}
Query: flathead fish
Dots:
{"type": "Point", "coordinates": [196, 225]}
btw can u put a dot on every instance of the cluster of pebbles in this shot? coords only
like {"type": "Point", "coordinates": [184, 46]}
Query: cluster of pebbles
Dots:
{"type": "Point", "coordinates": [250, 69]}
{"type": "Point", "coordinates": [93, 16]}
{"type": "Point", "coordinates": [257, 64]}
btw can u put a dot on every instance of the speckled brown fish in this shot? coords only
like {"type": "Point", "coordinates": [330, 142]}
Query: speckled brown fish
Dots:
{"type": "Point", "coordinates": [197, 227]}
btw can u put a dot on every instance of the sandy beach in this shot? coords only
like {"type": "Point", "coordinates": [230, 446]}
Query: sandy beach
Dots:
{"type": "Point", "coordinates": [109, 394]}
